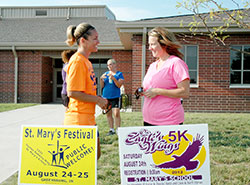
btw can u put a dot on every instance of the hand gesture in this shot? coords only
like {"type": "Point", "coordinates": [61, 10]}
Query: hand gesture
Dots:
{"type": "Point", "coordinates": [103, 76]}
{"type": "Point", "coordinates": [150, 93]}
{"type": "Point", "coordinates": [102, 102]}
{"type": "Point", "coordinates": [111, 76]}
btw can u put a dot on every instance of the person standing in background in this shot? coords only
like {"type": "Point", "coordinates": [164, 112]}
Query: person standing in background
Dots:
{"type": "Point", "coordinates": [166, 81]}
{"type": "Point", "coordinates": [81, 84]}
{"type": "Point", "coordinates": [65, 58]}
{"type": "Point", "coordinates": [111, 82]}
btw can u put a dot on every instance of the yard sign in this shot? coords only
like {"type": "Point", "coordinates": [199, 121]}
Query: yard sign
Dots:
{"type": "Point", "coordinates": [164, 155]}
{"type": "Point", "coordinates": [58, 155]}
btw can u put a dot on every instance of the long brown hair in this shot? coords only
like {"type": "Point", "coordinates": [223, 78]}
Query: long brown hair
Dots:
{"type": "Point", "coordinates": [167, 40]}
{"type": "Point", "coordinates": [66, 54]}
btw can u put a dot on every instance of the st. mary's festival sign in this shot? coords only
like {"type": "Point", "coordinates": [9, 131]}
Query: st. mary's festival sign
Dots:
{"type": "Point", "coordinates": [164, 155]}
{"type": "Point", "coordinates": [58, 155]}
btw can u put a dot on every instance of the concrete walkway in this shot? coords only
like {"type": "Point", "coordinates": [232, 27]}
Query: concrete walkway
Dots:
{"type": "Point", "coordinates": [10, 130]}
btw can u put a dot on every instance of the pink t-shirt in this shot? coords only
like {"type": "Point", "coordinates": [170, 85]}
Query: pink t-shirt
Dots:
{"type": "Point", "coordinates": [163, 110]}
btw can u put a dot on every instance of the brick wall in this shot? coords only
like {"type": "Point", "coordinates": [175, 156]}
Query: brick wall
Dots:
{"type": "Point", "coordinates": [47, 78]}
{"type": "Point", "coordinates": [34, 76]}
{"type": "Point", "coordinates": [124, 64]}
{"type": "Point", "coordinates": [29, 76]}
{"type": "Point", "coordinates": [214, 93]}
{"type": "Point", "coordinates": [7, 76]}
{"type": "Point", "coordinates": [136, 70]}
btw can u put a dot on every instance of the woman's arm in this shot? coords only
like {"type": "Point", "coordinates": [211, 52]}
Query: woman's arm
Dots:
{"type": "Point", "coordinates": [101, 83]}
{"type": "Point", "coordinates": [182, 91]}
{"type": "Point", "coordinates": [118, 83]}
{"type": "Point", "coordinates": [81, 96]}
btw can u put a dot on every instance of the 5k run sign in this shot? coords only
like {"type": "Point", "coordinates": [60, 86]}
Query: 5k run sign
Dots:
{"type": "Point", "coordinates": [58, 155]}
{"type": "Point", "coordinates": [164, 155]}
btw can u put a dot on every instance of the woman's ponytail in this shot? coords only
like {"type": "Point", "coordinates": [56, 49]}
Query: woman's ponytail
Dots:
{"type": "Point", "coordinates": [71, 39]}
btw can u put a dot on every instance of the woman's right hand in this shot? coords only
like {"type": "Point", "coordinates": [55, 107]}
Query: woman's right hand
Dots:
{"type": "Point", "coordinates": [103, 77]}
{"type": "Point", "coordinates": [102, 102]}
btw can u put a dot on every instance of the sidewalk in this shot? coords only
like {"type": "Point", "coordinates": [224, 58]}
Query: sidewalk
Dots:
{"type": "Point", "coordinates": [10, 128]}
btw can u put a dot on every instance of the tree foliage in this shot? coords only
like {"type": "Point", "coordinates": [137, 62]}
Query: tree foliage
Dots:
{"type": "Point", "coordinates": [218, 19]}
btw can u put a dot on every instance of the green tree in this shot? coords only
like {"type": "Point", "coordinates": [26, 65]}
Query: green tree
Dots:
{"type": "Point", "coordinates": [217, 33]}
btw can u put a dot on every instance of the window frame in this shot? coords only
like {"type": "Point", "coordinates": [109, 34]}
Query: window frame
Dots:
{"type": "Point", "coordinates": [39, 13]}
{"type": "Point", "coordinates": [241, 85]}
{"type": "Point", "coordinates": [192, 85]}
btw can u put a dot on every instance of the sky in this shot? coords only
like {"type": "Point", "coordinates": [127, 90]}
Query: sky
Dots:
{"type": "Point", "coordinates": [126, 10]}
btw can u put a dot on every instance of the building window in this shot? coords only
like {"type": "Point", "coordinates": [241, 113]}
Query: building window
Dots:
{"type": "Point", "coordinates": [240, 66]}
{"type": "Point", "coordinates": [191, 58]}
{"type": "Point", "coordinates": [41, 12]}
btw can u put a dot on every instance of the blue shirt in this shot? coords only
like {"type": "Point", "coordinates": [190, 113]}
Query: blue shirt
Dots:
{"type": "Point", "coordinates": [110, 90]}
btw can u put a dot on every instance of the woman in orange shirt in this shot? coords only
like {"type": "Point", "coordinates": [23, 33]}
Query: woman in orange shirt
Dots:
{"type": "Point", "coordinates": [81, 84]}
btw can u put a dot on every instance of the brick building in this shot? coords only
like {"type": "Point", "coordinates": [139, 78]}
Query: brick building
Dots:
{"type": "Point", "coordinates": [32, 38]}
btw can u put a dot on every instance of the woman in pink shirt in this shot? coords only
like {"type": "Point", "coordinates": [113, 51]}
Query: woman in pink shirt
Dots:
{"type": "Point", "coordinates": [166, 82]}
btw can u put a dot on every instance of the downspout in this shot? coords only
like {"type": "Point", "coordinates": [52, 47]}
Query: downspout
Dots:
{"type": "Point", "coordinates": [144, 40]}
{"type": "Point", "coordinates": [68, 13]}
{"type": "Point", "coordinates": [16, 72]}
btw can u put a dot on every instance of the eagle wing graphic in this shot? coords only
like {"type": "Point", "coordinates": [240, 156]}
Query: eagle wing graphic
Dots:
{"type": "Point", "coordinates": [185, 159]}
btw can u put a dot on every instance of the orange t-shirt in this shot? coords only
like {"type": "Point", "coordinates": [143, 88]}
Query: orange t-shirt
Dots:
{"type": "Point", "coordinates": [80, 77]}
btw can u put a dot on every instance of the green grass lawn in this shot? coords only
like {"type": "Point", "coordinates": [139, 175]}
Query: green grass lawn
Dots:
{"type": "Point", "coordinates": [12, 106]}
{"type": "Point", "coordinates": [229, 140]}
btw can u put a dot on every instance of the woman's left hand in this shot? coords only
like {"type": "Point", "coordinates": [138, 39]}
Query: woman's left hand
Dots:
{"type": "Point", "coordinates": [150, 93]}
{"type": "Point", "coordinates": [112, 77]}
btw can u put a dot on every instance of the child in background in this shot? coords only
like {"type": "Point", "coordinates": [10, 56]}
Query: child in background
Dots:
{"type": "Point", "coordinates": [65, 58]}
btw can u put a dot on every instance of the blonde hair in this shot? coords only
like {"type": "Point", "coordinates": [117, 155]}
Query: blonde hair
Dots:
{"type": "Point", "coordinates": [74, 33]}
{"type": "Point", "coordinates": [112, 61]}
{"type": "Point", "coordinates": [66, 55]}
{"type": "Point", "coordinates": [167, 40]}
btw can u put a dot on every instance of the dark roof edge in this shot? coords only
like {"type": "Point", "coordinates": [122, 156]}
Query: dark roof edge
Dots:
{"type": "Point", "coordinates": [185, 15]}
{"type": "Point", "coordinates": [172, 16]}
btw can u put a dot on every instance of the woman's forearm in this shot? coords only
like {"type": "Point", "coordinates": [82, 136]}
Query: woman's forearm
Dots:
{"type": "Point", "coordinates": [182, 91]}
{"type": "Point", "coordinates": [172, 93]}
{"type": "Point", "coordinates": [118, 83]}
{"type": "Point", "coordinates": [81, 96]}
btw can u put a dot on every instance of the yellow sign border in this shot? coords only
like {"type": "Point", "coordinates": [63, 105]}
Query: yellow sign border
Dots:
{"type": "Point", "coordinates": [78, 141]}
